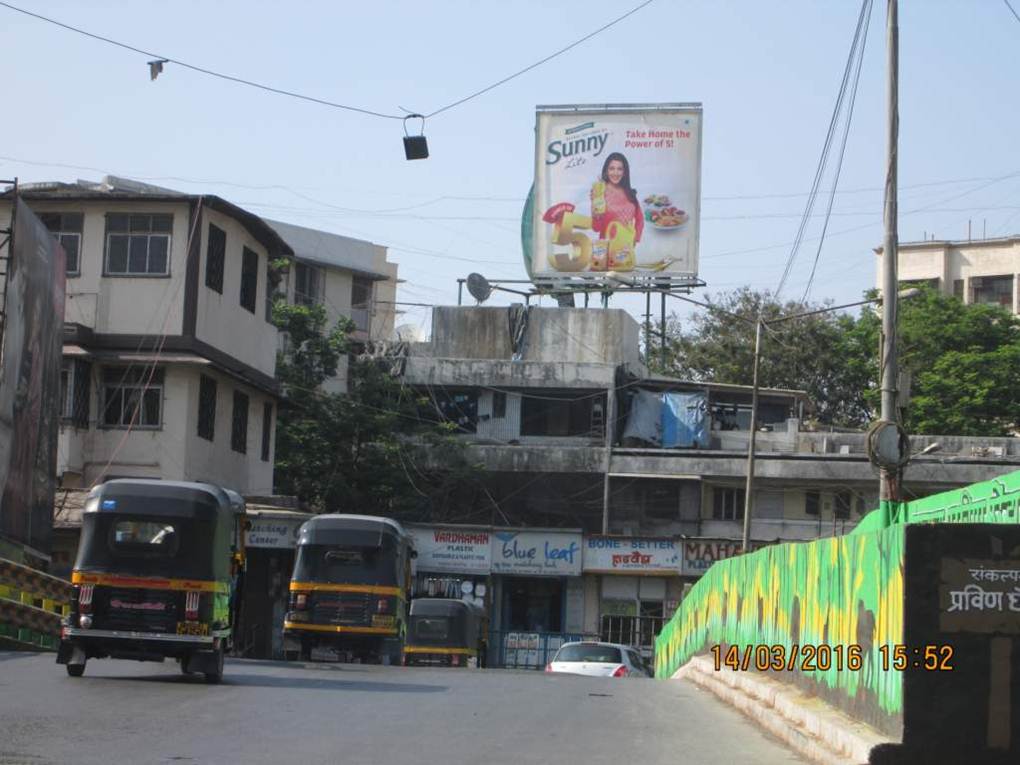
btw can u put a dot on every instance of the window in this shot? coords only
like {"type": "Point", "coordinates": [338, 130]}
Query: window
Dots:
{"type": "Point", "coordinates": [569, 415]}
{"type": "Point", "coordinates": [272, 282]}
{"type": "Point", "coordinates": [361, 302]}
{"type": "Point", "coordinates": [65, 391]}
{"type": "Point", "coordinates": [459, 407]}
{"type": "Point", "coordinates": [249, 279]}
{"type": "Point", "coordinates": [132, 398]}
{"type": "Point", "coordinates": [215, 256]}
{"type": "Point", "coordinates": [307, 284]}
{"type": "Point", "coordinates": [499, 404]}
{"type": "Point", "coordinates": [138, 245]}
{"type": "Point", "coordinates": [148, 538]}
{"type": "Point", "coordinates": [812, 502]}
{"type": "Point", "coordinates": [206, 408]}
{"type": "Point", "coordinates": [728, 504]}
{"type": "Point", "coordinates": [239, 426]}
{"type": "Point", "coordinates": [841, 510]}
{"type": "Point", "coordinates": [958, 289]}
{"type": "Point", "coordinates": [66, 229]}
{"type": "Point", "coordinates": [935, 284]}
{"type": "Point", "coordinates": [994, 290]}
{"type": "Point", "coordinates": [267, 430]}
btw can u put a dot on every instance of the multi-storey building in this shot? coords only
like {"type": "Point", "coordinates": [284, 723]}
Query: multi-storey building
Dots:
{"type": "Point", "coordinates": [169, 356]}
{"type": "Point", "coordinates": [973, 270]}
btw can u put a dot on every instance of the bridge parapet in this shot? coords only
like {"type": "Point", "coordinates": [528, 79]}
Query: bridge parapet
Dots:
{"type": "Point", "coordinates": [32, 605]}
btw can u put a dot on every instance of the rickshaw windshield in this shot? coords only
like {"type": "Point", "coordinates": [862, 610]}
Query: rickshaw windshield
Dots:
{"type": "Point", "coordinates": [172, 547]}
{"type": "Point", "coordinates": [435, 630]}
{"type": "Point", "coordinates": [362, 561]}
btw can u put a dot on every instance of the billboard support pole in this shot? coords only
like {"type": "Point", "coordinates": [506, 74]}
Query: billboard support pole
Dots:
{"type": "Point", "coordinates": [662, 329]}
{"type": "Point", "coordinates": [7, 260]}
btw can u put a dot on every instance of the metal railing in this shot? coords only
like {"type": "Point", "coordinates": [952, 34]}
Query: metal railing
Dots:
{"type": "Point", "coordinates": [527, 650]}
{"type": "Point", "coordinates": [32, 605]}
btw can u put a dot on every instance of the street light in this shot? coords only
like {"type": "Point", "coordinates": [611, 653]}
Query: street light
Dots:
{"type": "Point", "coordinates": [760, 324]}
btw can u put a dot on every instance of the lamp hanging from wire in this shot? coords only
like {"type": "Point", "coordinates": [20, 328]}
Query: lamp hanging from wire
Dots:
{"type": "Point", "coordinates": [415, 146]}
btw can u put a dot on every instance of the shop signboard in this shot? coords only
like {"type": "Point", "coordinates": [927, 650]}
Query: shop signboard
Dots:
{"type": "Point", "coordinates": [631, 555]}
{"type": "Point", "coordinates": [536, 553]}
{"type": "Point", "coordinates": [273, 532]}
{"type": "Point", "coordinates": [617, 188]}
{"type": "Point", "coordinates": [698, 555]}
{"type": "Point", "coordinates": [452, 551]}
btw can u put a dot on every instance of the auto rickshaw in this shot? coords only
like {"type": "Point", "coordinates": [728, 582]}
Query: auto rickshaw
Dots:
{"type": "Point", "coordinates": [349, 590]}
{"type": "Point", "coordinates": [445, 632]}
{"type": "Point", "coordinates": [156, 576]}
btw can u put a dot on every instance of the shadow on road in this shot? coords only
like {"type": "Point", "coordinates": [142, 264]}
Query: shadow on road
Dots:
{"type": "Point", "coordinates": [241, 680]}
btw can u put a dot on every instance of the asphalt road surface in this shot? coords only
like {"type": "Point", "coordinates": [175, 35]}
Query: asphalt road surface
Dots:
{"type": "Point", "coordinates": [272, 712]}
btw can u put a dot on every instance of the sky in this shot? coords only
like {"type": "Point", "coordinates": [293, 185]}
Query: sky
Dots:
{"type": "Point", "coordinates": [767, 75]}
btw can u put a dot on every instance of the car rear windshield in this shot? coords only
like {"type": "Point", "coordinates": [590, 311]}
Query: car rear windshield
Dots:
{"type": "Point", "coordinates": [604, 654]}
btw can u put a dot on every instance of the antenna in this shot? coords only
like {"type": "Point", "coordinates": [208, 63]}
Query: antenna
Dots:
{"type": "Point", "coordinates": [479, 287]}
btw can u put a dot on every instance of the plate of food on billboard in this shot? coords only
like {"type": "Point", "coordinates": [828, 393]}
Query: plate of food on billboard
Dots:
{"type": "Point", "coordinates": [617, 188]}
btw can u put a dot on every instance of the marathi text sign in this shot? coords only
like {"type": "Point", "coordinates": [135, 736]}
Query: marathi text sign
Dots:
{"type": "Point", "coordinates": [453, 551]}
{"type": "Point", "coordinates": [979, 596]}
{"type": "Point", "coordinates": [617, 189]}
{"type": "Point", "coordinates": [536, 553]}
{"type": "Point", "coordinates": [616, 555]}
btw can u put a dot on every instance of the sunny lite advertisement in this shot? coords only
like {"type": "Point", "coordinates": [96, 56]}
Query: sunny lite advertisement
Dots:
{"type": "Point", "coordinates": [617, 189]}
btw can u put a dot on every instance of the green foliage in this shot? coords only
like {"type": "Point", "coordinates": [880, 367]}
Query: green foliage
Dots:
{"type": "Point", "coordinates": [376, 449]}
{"type": "Point", "coordinates": [961, 359]}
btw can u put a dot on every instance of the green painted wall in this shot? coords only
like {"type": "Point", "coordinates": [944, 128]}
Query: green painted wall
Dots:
{"type": "Point", "coordinates": [838, 591]}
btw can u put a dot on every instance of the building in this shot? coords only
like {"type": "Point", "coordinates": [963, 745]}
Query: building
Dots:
{"type": "Point", "coordinates": [608, 490]}
{"type": "Point", "coordinates": [350, 278]}
{"type": "Point", "coordinates": [973, 270]}
{"type": "Point", "coordinates": [169, 355]}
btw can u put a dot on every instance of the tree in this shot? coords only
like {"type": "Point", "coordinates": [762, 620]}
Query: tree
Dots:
{"type": "Point", "coordinates": [376, 449]}
{"type": "Point", "coordinates": [802, 354]}
{"type": "Point", "coordinates": [961, 359]}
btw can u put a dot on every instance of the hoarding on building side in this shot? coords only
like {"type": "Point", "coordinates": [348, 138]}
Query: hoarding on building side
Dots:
{"type": "Point", "coordinates": [617, 188]}
{"type": "Point", "coordinates": [698, 555]}
{"type": "Point", "coordinates": [32, 342]}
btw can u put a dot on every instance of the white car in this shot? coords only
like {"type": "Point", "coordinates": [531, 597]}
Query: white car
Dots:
{"type": "Point", "coordinates": [598, 660]}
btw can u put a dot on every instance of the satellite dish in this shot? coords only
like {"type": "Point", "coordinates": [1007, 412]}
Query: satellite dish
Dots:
{"type": "Point", "coordinates": [479, 287]}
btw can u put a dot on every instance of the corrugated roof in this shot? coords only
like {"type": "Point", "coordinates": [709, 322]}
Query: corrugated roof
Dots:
{"type": "Point", "coordinates": [334, 250]}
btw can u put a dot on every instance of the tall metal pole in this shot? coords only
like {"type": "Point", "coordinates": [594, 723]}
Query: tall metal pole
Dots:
{"type": "Point", "coordinates": [749, 485]}
{"type": "Point", "coordinates": [888, 488]}
{"type": "Point", "coordinates": [610, 431]}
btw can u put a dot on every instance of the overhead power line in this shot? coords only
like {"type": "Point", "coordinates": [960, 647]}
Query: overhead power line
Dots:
{"type": "Point", "coordinates": [321, 101]}
{"type": "Point", "coordinates": [1012, 10]}
{"type": "Point", "coordinates": [826, 147]}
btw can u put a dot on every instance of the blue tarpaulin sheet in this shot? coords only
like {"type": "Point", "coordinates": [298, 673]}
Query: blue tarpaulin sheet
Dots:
{"type": "Point", "coordinates": [684, 416]}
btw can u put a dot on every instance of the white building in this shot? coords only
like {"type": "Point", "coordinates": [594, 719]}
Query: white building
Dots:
{"type": "Point", "coordinates": [976, 271]}
{"type": "Point", "coordinates": [169, 353]}
{"type": "Point", "coordinates": [350, 278]}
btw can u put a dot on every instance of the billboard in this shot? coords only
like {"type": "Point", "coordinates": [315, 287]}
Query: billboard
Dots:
{"type": "Point", "coordinates": [30, 363]}
{"type": "Point", "coordinates": [536, 553]}
{"type": "Point", "coordinates": [452, 551]}
{"type": "Point", "coordinates": [617, 188]}
{"type": "Point", "coordinates": [647, 556]}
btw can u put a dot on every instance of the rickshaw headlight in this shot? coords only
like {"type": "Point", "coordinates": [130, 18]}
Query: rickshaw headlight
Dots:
{"type": "Point", "coordinates": [85, 621]}
{"type": "Point", "coordinates": [382, 606]}
{"type": "Point", "coordinates": [300, 601]}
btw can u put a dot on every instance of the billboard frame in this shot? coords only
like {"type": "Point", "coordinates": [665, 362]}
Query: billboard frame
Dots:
{"type": "Point", "coordinates": [587, 282]}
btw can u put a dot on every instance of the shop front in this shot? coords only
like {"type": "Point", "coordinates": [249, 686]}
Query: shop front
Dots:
{"type": "Point", "coordinates": [638, 585]}
{"type": "Point", "coordinates": [538, 595]}
{"type": "Point", "coordinates": [452, 562]}
{"type": "Point", "coordinates": [270, 545]}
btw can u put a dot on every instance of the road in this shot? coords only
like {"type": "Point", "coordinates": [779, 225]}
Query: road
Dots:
{"type": "Point", "coordinates": [272, 712]}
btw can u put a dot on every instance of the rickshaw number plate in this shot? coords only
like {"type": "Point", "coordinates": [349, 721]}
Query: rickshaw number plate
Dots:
{"type": "Point", "coordinates": [382, 621]}
{"type": "Point", "coordinates": [192, 628]}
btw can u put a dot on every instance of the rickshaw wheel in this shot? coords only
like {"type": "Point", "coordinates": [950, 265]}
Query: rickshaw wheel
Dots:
{"type": "Point", "coordinates": [214, 677]}
{"type": "Point", "coordinates": [75, 670]}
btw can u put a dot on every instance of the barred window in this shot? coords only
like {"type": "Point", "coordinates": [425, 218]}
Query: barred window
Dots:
{"type": "Point", "coordinates": [812, 503]}
{"type": "Point", "coordinates": [841, 510]}
{"type": "Point", "coordinates": [267, 430]}
{"type": "Point", "coordinates": [239, 424]}
{"type": "Point", "coordinates": [75, 386]}
{"type": "Point", "coordinates": [138, 245]}
{"type": "Point", "coordinates": [216, 253]}
{"type": "Point", "coordinates": [206, 408]}
{"type": "Point", "coordinates": [249, 279]}
{"type": "Point", "coordinates": [307, 284]}
{"type": "Point", "coordinates": [67, 229]}
{"type": "Point", "coordinates": [132, 399]}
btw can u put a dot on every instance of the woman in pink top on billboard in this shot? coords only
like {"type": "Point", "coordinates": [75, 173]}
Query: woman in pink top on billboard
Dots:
{"type": "Point", "coordinates": [613, 199]}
